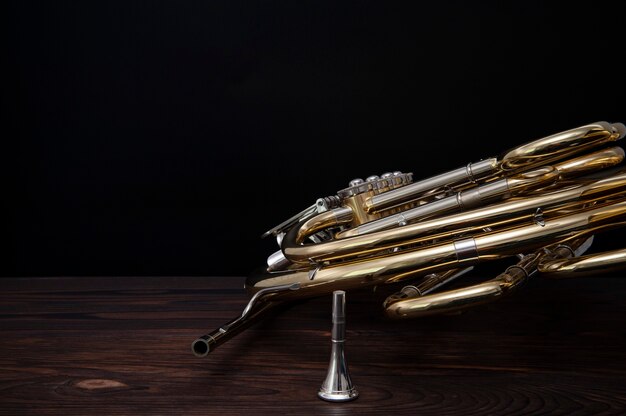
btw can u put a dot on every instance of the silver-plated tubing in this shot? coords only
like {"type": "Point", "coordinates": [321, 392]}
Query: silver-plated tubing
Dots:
{"type": "Point", "coordinates": [463, 200]}
{"type": "Point", "coordinates": [466, 250]}
{"type": "Point", "coordinates": [436, 207]}
{"type": "Point", "coordinates": [202, 346]}
{"type": "Point", "coordinates": [277, 261]}
{"type": "Point", "coordinates": [475, 197]}
{"type": "Point", "coordinates": [265, 292]}
{"type": "Point", "coordinates": [460, 175]}
{"type": "Point", "coordinates": [542, 151]}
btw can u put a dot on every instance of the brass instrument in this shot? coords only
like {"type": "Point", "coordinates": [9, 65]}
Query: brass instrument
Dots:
{"type": "Point", "coordinates": [543, 202]}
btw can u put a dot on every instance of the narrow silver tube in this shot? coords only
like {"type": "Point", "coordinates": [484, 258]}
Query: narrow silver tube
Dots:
{"type": "Point", "coordinates": [255, 308]}
{"type": "Point", "coordinates": [437, 207]}
{"type": "Point", "coordinates": [482, 194]}
{"type": "Point", "coordinates": [462, 200]}
{"type": "Point", "coordinates": [469, 173]}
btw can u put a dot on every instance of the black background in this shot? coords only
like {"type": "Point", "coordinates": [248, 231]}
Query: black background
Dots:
{"type": "Point", "coordinates": [162, 138]}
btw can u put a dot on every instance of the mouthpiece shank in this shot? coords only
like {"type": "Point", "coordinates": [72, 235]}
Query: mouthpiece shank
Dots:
{"type": "Point", "coordinates": [339, 316]}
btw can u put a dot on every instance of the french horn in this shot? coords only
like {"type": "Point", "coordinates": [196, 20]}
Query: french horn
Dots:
{"type": "Point", "coordinates": [540, 204]}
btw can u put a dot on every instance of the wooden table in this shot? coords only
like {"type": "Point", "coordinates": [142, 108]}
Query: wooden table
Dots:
{"type": "Point", "coordinates": [121, 345]}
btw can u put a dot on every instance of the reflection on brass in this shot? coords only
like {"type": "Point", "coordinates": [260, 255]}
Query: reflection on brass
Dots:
{"type": "Point", "coordinates": [541, 202]}
{"type": "Point", "coordinates": [593, 265]}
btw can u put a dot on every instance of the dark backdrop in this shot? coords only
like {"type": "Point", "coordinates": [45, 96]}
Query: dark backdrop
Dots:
{"type": "Point", "coordinates": [157, 138]}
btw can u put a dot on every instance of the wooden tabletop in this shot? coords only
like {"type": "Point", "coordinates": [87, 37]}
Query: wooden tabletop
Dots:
{"type": "Point", "coordinates": [121, 346]}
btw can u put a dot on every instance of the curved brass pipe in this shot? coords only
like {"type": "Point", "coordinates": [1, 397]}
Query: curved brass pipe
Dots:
{"type": "Point", "coordinates": [559, 145]}
{"type": "Point", "coordinates": [331, 218]}
{"type": "Point", "coordinates": [504, 188]}
{"type": "Point", "coordinates": [516, 184]}
{"type": "Point", "coordinates": [441, 256]}
{"type": "Point", "coordinates": [585, 265]}
{"type": "Point", "coordinates": [458, 299]}
{"type": "Point", "coordinates": [525, 157]}
{"type": "Point", "coordinates": [513, 186]}
{"type": "Point", "coordinates": [593, 162]}
{"type": "Point", "coordinates": [474, 295]}
{"type": "Point", "coordinates": [303, 254]}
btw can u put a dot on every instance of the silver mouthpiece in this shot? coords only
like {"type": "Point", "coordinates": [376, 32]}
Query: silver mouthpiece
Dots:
{"type": "Point", "coordinates": [338, 387]}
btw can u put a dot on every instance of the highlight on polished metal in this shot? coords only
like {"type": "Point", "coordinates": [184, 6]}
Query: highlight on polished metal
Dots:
{"type": "Point", "coordinates": [539, 204]}
{"type": "Point", "coordinates": [338, 387]}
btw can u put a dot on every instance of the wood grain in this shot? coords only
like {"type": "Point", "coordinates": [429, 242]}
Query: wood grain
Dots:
{"type": "Point", "coordinates": [121, 346]}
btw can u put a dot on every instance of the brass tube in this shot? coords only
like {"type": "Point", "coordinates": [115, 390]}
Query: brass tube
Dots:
{"type": "Point", "coordinates": [471, 198]}
{"type": "Point", "coordinates": [334, 217]}
{"type": "Point", "coordinates": [584, 265]}
{"type": "Point", "coordinates": [342, 246]}
{"type": "Point", "coordinates": [590, 163]}
{"type": "Point", "coordinates": [428, 284]}
{"type": "Point", "coordinates": [515, 185]}
{"type": "Point", "coordinates": [460, 175]}
{"type": "Point", "coordinates": [442, 256]}
{"type": "Point", "coordinates": [539, 152]}
{"type": "Point", "coordinates": [453, 300]}
{"type": "Point", "coordinates": [559, 145]}
{"type": "Point", "coordinates": [474, 295]}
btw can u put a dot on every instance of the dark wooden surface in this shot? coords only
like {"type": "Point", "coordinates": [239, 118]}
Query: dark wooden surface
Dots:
{"type": "Point", "coordinates": [122, 346]}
